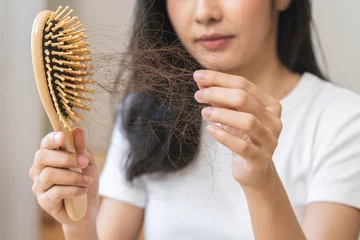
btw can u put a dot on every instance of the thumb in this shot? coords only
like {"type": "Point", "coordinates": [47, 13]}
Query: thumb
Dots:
{"type": "Point", "coordinates": [80, 144]}
{"type": "Point", "coordinates": [79, 140]}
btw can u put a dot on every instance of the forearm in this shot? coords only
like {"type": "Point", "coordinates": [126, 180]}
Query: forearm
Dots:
{"type": "Point", "coordinates": [83, 232]}
{"type": "Point", "coordinates": [271, 213]}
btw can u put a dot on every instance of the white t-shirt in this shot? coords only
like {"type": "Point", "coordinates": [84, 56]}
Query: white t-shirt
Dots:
{"type": "Point", "coordinates": [317, 158]}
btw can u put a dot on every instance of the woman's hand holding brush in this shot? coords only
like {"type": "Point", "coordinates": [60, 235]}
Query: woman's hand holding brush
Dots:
{"type": "Point", "coordinates": [53, 181]}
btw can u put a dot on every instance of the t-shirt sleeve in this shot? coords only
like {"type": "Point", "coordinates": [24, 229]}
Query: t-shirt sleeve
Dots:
{"type": "Point", "coordinates": [335, 174]}
{"type": "Point", "coordinates": [112, 182]}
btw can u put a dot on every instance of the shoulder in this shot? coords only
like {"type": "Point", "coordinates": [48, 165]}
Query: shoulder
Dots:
{"type": "Point", "coordinates": [334, 175]}
{"type": "Point", "coordinates": [331, 103]}
{"type": "Point", "coordinates": [336, 107]}
{"type": "Point", "coordinates": [333, 94]}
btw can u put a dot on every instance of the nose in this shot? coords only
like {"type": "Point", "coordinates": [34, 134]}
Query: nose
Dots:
{"type": "Point", "coordinates": [208, 12]}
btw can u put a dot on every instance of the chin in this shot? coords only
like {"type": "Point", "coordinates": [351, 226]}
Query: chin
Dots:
{"type": "Point", "coordinates": [218, 65]}
{"type": "Point", "coordinates": [217, 61]}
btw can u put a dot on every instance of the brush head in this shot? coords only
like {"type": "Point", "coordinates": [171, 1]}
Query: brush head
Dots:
{"type": "Point", "coordinates": [66, 64]}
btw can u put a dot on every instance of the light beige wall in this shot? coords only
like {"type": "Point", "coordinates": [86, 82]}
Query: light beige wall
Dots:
{"type": "Point", "coordinates": [21, 121]}
{"type": "Point", "coordinates": [338, 24]}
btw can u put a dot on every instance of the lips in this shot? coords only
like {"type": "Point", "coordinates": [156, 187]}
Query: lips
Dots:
{"type": "Point", "coordinates": [214, 41]}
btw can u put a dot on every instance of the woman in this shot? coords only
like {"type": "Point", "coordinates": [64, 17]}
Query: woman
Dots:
{"type": "Point", "coordinates": [289, 161]}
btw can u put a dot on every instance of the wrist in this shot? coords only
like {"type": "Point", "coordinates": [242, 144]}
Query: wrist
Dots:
{"type": "Point", "coordinates": [267, 187]}
{"type": "Point", "coordinates": [263, 181]}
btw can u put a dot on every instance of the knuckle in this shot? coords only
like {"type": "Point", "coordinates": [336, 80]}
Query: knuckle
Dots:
{"type": "Point", "coordinates": [31, 172]}
{"type": "Point", "coordinates": [260, 108]}
{"type": "Point", "coordinates": [40, 201]}
{"type": "Point", "coordinates": [45, 141]}
{"type": "Point", "coordinates": [275, 143]}
{"type": "Point", "coordinates": [48, 140]}
{"type": "Point", "coordinates": [55, 194]}
{"type": "Point", "coordinates": [267, 156]}
{"type": "Point", "coordinates": [46, 175]}
{"type": "Point", "coordinates": [43, 202]}
{"type": "Point", "coordinates": [42, 142]}
{"type": "Point", "coordinates": [241, 83]}
{"type": "Point", "coordinates": [39, 157]}
{"type": "Point", "coordinates": [246, 148]}
{"type": "Point", "coordinates": [280, 125]}
{"type": "Point", "coordinates": [250, 122]}
{"type": "Point", "coordinates": [241, 98]}
{"type": "Point", "coordinates": [33, 188]}
{"type": "Point", "coordinates": [262, 132]}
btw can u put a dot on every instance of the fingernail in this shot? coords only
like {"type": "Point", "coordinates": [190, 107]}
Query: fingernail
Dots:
{"type": "Point", "coordinates": [206, 112]}
{"type": "Point", "coordinates": [199, 74]}
{"type": "Point", "coordinates": [199, 94]}
{"type": "Point", "coordinates": [87, 179]}
{"type": "Point", "coordinates": [82, 160]}
{"type": "Point", "coordinates": [57, 137]}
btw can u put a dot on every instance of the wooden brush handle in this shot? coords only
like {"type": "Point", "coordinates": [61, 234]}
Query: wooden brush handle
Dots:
{"type": "Point", "coordinates": [76, 206]}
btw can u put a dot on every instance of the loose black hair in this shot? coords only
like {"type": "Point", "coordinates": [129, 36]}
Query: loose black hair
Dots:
{"type": "Point", "coordinates": [160, 116]}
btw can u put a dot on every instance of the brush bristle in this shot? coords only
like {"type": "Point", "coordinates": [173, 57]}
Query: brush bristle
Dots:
{"type": "Point", "coordinates": [67, 65]}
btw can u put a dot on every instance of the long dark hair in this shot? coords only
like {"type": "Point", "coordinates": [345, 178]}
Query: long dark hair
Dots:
{"type": "Point", "coordinates": [161, 119]}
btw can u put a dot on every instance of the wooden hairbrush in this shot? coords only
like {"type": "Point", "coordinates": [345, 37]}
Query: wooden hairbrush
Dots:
{"type": "Point", "coordinates": [61, 63]}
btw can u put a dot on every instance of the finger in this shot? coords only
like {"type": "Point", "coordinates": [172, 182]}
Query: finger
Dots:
{"type": "Point", "coordinates": [245, 122]}
{"type": "Point", "coordinates": [53, 140]}
{"type": "Point", "coordinates": [59, 159]}
{"type": "Point", "coordinates": [80, 145]}
{"type": "Point", "coordinates": [249, 151]}
{"type": "Point", "coordinates": [54, 176]}
{"type": "Point", "coordinates": [48, 200]}
{"type": "Point", "coordinates": [214, 104]}
{"type": "Point", "coordinates": [79, 140]}
{"type": "Point", "coordinates": [214, 78]}
{"type": "Point", "coordinates": [230, 98]}
{"type": "Point", "coordinates": [244, 102]}
{"type": "Point", "coordinates": [32, 173]}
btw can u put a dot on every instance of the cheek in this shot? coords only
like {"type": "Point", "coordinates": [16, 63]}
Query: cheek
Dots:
{"type": "Point", "coordinates": [180, 16]}
{"type": "Point", "coordinates": [251, 19]}
{"type": "Point", "coordinates": [251, 22]}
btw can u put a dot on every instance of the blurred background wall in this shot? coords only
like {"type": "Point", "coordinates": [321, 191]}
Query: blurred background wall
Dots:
{"type": "Point", "coordinates": [23, 122]}
{"type": "Point", "coordinates": [338, 26]}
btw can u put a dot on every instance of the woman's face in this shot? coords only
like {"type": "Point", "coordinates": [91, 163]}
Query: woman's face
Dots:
{"type": "Point", "coordinates": [225, 35]}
